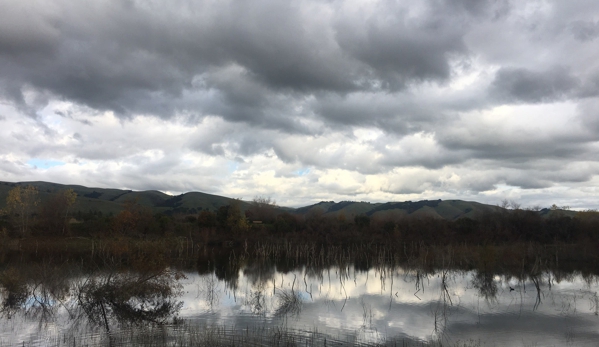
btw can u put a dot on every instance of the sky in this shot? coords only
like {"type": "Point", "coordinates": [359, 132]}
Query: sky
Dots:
{"type": "Point", "coordinates": [305, 100]}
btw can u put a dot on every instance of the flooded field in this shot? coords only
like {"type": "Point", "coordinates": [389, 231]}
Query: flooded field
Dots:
{"type": "Point", "coordinates": [260, 303]}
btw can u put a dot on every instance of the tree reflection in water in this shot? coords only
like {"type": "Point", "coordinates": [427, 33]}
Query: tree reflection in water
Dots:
{"type": "Point", "coordinates": [260, 293]}
{"type": "Point", "coordinates": [35, 291]}
{"type": "Point", "coordinates": [103, 299]}
{"type": "Point", "coordinates": [484, 282]}
{"type": "Point", "coordinates": [14, 292]}
{"type": "Point", "coordinates": [131, 298]}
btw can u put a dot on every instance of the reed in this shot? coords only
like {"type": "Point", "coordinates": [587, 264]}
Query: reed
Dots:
{"type": "Point", "coordinates": [199, 335]}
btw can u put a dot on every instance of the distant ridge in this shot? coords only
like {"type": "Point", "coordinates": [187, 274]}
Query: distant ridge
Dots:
{"type": "Point", "coordinates": [107, 201]}
{"type": "Point", "coordinates": [445, 209]}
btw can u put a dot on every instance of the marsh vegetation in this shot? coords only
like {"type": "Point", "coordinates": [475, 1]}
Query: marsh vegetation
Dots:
{"type": "Point", "coordinates": [214, 278]}
{"type": "Point", "coordinates": [298, 295]}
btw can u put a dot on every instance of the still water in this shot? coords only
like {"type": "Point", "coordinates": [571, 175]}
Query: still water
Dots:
{"type": "Point", "coordinates": [344, 304]}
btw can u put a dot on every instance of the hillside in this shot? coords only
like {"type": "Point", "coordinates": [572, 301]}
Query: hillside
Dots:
{"type": "Point", "coordinates": [442, 209]}
{"type": "Point", "coordinates": [447, 209]}
{"type": "Point", "coordinates": [112, 201]}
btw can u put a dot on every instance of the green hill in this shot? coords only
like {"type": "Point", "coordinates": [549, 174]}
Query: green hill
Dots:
{"type": "Point", "coordinates": [112, 200]}
{"type": "Point", "coordinates": [448, 209]}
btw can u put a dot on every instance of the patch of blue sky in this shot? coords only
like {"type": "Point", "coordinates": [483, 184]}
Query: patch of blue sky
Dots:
{"type": "Point", "coordinates": [44, 164]}
{"type": "Point", "coordinates": [232, 166]}
{"type": "Point", "coordinates": [303, 171]}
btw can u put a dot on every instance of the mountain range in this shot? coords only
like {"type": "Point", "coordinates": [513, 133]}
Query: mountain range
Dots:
{"type": "Point", "coordinates": [111, 201]}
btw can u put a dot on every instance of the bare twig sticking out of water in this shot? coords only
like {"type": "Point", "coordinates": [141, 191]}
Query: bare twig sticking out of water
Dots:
{"type": "Point", "coordinates": [391, 292]}
{"type": "Point", "coordinates": [257, 302]}
{"type": "Point", "coordinates": [306, 287]}
{"type": "Point", "coordinates": [210, 291]}
{"type": "Point", "coordinates": [535, 280]}
{"type": "Point", "coordinates": [366, 314]}
{"type": "Point", "coordinates": [418, 284]}
{"type": "Point", "coordinates": [290, 302]}
{"type": "Point", "coordinates": [444, 303]}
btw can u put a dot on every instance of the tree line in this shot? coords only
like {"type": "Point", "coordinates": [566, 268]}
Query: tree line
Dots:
{"type": "Point", "coordinates": [25, 215]}
{"type": "Point", "coordinates": [24, 212]}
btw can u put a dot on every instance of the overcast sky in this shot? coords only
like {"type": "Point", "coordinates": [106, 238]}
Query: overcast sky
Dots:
{"type": "Point", "coordinates": [305, 100]}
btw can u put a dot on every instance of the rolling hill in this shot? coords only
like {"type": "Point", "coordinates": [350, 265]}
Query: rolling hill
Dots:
{"type": "Point", "coordinates": [445, 209]}
{"type": "Point", "coordinates": [111, 201]}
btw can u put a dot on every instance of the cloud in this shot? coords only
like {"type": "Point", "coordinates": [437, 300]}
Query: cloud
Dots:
{"type": "Point", "coordinates": [129, 57]}
{"type": "Point", "coordinates": [397, 48]}
{"type": "Point", "coordinates": [588, 115]}
{"type": "Point", "coordinates": [585, 30]}
{"type": "Point", "coordinates": [369, 100]}
{"type": "Point", "coordinates": [523, 85]}
{"type": "Point", "coordinates": [519, 133]}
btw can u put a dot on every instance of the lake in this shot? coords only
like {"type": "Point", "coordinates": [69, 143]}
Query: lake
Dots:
{"type": "Point", "coordinates": [261, 303]}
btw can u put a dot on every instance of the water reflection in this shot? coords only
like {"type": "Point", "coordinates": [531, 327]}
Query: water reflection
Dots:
{"type": "Point", "coordinates": [130, 297]}
{"type": "Point", "coordinates": [14, 292]}
{"type": "Point", "coordinates": [36, 292]}
{"type": "Point", "coordinates": [350, 303]}
{"type": "Point", "coordinates": [419, 304]}
{"type": "Point", "coordinates": [484, 282]}
{"type": "Point", "coordinates": [66, 299]}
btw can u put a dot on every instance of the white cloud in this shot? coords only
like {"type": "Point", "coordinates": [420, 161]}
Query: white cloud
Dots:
{"type": "Point", "coordinates": [306, 101]}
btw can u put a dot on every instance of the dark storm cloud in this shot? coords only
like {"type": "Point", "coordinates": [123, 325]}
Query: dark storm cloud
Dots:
{"type": "Point", "coordinates": [588, 115]}
{"type": "Point", "coordinates": [161, 59]}
{"type": "Point", "coordinates": [487, 8]}
{"type": "Point", "coordinates": [539, 173]}
{"type": "Point", "coordinates": [590, 86]}
{"type": "Point", "coordinates": [238, 97]}
{"type": "Point", "coordinates": [436, 160]}
{"type": "Point", "coordinates": [396, 113]}
{"type": "Point", "coordinates": [585, 30]}
{"type": "Point", "coordinates": [518, 148]}
{"type": "Point", "coordinates": [400, 113]}
{"type": "Point", "coordinates": [398, 50]}
{"type": "Point", "coordinates": [523, 85]}
{"type": "Point", "coordinates": [372, 87]}
{"type": "Point", "coordinates": [524, 159]}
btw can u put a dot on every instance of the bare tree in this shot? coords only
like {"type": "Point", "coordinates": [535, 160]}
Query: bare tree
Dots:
{"type": "Point", "coordinates": [263, 209]}
{"type": "Point", "coordinates": [514, 205]}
